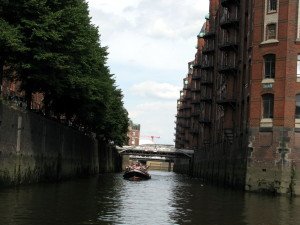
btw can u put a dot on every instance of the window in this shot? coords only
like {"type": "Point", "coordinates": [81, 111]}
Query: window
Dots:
{"type": "Point", "coordinates": [271, 31]}
{"type": "Point", "coordinates": [298, 23]}
{"type": "Point", "coordinates": [269, 65]}
{"type": "Point", "coordinates": [272, 5]}
{"type": "Point", "coordinates": [298, 66]}
{"type": "Point", "coordinates": [297, 110]}
{"type": "Point", "coordinates": [268, 105]}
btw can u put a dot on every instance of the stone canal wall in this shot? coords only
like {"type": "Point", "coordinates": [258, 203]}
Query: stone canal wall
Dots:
{"type": "Point", "coordinates": [182, 166]}
{"type": "Point", "coordinates": [263, 162]}
{"type": "Point", "coordinates": [35, 149]}
{"type": "Point", "coordinates": [222, 164]}
{"type": "Point", "coordinates": [273, 160]}
{"type": "Point", "coordinates": [109, 159]}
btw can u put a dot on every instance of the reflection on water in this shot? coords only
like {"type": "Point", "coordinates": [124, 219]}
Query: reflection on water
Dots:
{"type": "Point", "coordinates": [167, 198]}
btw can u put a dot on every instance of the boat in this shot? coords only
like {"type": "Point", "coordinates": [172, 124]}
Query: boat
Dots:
{"type": "Point", "coordinates": [136, 172]}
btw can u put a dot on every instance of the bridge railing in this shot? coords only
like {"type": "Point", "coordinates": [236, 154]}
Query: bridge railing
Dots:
{"type": "Point", "coordinates": [156, 150]}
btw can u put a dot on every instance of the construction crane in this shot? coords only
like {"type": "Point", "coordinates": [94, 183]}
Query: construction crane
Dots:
{"type": "Point", "coordinates": [152, 137]}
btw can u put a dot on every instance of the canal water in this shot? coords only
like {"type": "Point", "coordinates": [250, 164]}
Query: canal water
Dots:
{"type": "Point", "coordinates": [167, 198]}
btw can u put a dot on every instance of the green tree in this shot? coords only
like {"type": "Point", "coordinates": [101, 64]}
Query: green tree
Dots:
{"type": "Point", "coordinates": [11, 38]}
{"type": "Point", "coordinates": [55, 50]}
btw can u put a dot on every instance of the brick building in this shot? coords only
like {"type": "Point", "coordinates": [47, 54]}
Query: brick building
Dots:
{"type": "Point", "coordinates": [10, 90]}
{"type": "Point", "coordinates": [133, 134]}
{"type": "Point", "coordinates": [240, 105]}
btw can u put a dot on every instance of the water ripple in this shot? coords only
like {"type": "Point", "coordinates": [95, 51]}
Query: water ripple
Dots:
{"type": "Point", "coordinates": [166, 199]}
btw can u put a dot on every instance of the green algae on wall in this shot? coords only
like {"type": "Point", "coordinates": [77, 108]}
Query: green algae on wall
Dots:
{"type": "Point", "coordinates": [34, 149]}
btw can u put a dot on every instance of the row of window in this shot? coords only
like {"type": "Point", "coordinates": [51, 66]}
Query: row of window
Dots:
{"type": "Point", "coordinates": [271, 29]}
{"type": "Point", "coordinates": [268, 106]}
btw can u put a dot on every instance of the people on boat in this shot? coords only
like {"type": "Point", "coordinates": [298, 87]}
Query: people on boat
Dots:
{"type": "Point", "coordinates": [137, 166]}
{"type": "Point", "coordinates": [136, 171]}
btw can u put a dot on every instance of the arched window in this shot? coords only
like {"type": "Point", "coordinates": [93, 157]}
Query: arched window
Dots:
{"type": "Point", "coordinates": [269, 64]}
{"type": "Point", "coordinates": [268, 106]}
{"type": "Point", "coordinates": [271, 31]}
{"type": "Point", "coordinates": [297, 108]}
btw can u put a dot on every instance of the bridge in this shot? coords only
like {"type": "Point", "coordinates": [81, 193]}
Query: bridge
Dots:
{"type": "Point", "coordinates": [156, 152]}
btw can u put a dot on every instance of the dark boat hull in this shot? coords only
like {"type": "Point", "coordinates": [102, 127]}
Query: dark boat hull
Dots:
{"type": "Point", "coordinates": [136, 175]}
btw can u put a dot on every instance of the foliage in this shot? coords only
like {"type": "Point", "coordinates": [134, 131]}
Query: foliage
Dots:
{"type": "Point", "coordinates": [54, 49]}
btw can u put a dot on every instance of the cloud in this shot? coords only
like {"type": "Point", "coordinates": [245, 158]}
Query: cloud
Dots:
{"type": "Point", "coordinates": [157, 90]}
{"type": "Point", "coordinates": [170, 19]}
{"type": "Point", "coordinates": [167, 19]}
{"type": "Point", "coordinates": [150, 40]}
{"type": "Point", "coordinates": [150, 33]}
{"type": "Point", "coordinates": [116, 6]}
{"type": "Point", "coordinates": [159, 28]}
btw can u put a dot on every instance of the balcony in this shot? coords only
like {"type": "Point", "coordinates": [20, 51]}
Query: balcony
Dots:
{"type": "Point", "coordinates": [184, 99]}
{"type": "Point", "coordinates": [186, 87]}
{"type": "Point", "coordinates": [196, 76]}
{"type": "Point", "coordinates": [207, 66]}
{"type": "Point", "coordinates": [195, 113]}
{"type": "Point", "coordinates": [227, 22]}
{"type": "Point", "coordinates": [206, 80]}
{"type": "Point", "coordinates": [206, 83]}
{"type": "Point", "coordinates": [201, 34]}
{"type": "Point", "coordinates": [205, 121]}
{"type": "Point", "coordinates": [209, 34]}
{"type": "Point", "coordinates": [230, 45]}
{"type": "Point", "coordinates": [227, 3]}
{"type": "Point", "coordinates": [224, 101]}
{"type": "Point", "coordinates": [196, 101]}
{"type": "Point", "coordinates": [207, 99]}
{"type": "Point", "coordinates": [228, 68]}
{"type": "Point", "coordinates": [186, 107]}
{"type": "Point", "coordinates": [188, 96]}
{"type": "Point", "coordinates": [197, 66]}
{"type": "Point", "coordinates": [185, 125]}
{"type": "Point", "coordinates": [178, 128]}
{"type": "Point", "coordinates": [207, 16]}
{"type": "Point", "coordinates": [208, 49]}
{"type": "Point", "coordinates": [195, 89]}
{"type": "Point", "coordinates": [187, 141]}
{"type": "Point", "coordinates": [194, 130]}
{"type": "Point", "coordinates": [179, 116]}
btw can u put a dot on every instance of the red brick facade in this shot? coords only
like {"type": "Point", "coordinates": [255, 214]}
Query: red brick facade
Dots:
{"type": "Point", "coordinates": [10, 90]}
{"type": "Point", "coordinates": [274, 154]}
{"type": "Point", "coordinates": [237, 110]}
{"type": "Point", "coordinates": [133, 134]}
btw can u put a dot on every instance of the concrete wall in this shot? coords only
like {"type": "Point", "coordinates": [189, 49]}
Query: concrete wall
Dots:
{"type": "Point", "coordinates": [222, 164]}
{"type": "Point", "coordinates": [34, 149]}
{"type": "Point", "coordinates": [109, 159]}
{"type": "Point", "coordinates": [264, 164]}
{"type": "Point", "coordinates": [273, 164]}
{"type": "Point", "coordinates": [183, 166]}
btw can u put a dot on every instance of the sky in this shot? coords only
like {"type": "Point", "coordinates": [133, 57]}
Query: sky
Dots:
{"type": "Point", "coordinates": [150, 43]}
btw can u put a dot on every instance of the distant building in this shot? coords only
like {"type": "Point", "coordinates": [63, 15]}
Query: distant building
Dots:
{"type": "Point", "coordinates": [240, 104]}
{"type": "Point", "coordinates": [133, 134]}
{"type": "Point", "coordinates": [10, 90]}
